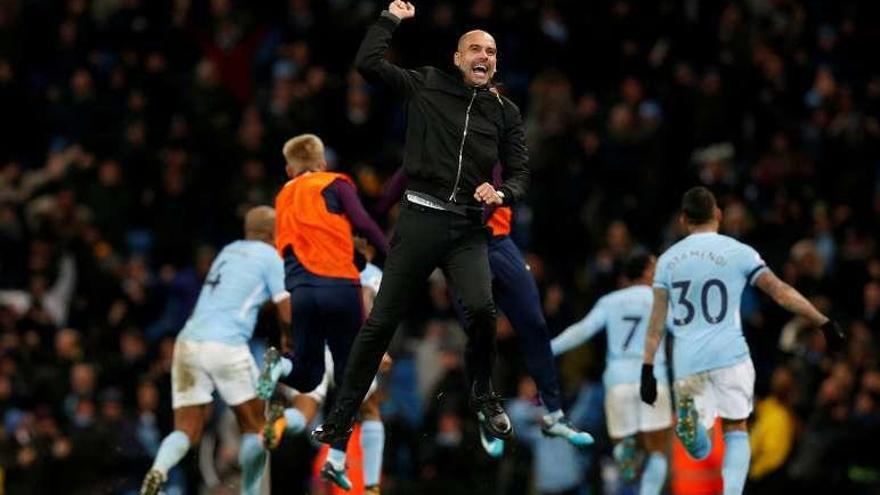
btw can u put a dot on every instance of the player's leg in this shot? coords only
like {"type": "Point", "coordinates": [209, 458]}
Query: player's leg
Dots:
{"type": "Point", "coordinates": [737, 455]}
{"type": "Point", "coordinates": [696, 408]}
{"type": "Point", "coordinates": [734, 387]}
{"type": "Point", "coordinates": [342, 315]}
{"type": "Point", "coordinates": [466, 266]}
{"type": "Point", "coordinates": [621, 418]}
{"type": "Point", "coordinates": [191, 390]}
{"type": "Point", "coordinates": [516, 294]}
{"type": "Point", "coordinates": [419, 241]}
{"type": "Point", "coordinates": [372, 442]}
{"type": "Point", "coordinates": [251, 454]}
{"type": "Point", "coordinates": [655, 424]}
{"type": "Point", "coordinates": [656, 444]}
{"type": "Point", "coordinates": [306, 370]}
{"type": "Point", "coordinates": [188, 425]}
{"type": "Point", "coordinates": [294, 419]}
{"type": "Point", "coordinates": [234, 371]}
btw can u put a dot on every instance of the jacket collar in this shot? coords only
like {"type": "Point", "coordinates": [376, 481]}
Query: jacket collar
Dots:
{"type": "Point", "coordinates": [441, 80]}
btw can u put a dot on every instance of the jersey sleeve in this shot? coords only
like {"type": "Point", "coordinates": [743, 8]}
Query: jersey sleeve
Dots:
{"type": "Point", "coordinates": [661, 275]}
{"type": "Point", "coordinates": [581, 331]}
{"type": "Point", "coordinates": [274, 273]}
{"type": "Point", "coordinates": [750, 263]}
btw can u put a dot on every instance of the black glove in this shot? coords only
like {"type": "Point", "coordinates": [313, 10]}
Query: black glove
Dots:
{"type": "Point", "coordinates": [648, 389]}
{"type": "Point", "coordinates": [834, 335]}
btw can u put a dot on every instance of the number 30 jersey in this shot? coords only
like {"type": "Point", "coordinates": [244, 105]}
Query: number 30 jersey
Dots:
{"type": "Point", "coordinates": [624, 315]}
{"type": "Point", "coordinates": [705, 275]}
{"type": "Point", "coordinates": [244, 275]}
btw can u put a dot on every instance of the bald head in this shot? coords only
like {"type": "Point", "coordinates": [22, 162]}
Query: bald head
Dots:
{"type": "Point", "coordinates": [259, 224]}
{"type": "Point", "coordinates": [477, 35]}
{"type": "Point", "coordinates": [475, 56]}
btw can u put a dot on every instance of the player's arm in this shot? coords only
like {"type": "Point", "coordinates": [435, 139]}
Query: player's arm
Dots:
{"type": "Point", "coordinates": [514, 156]}
{"type": "Point", "coordinates": [358, 216]}
{"type": "Point", "coordinates": [284, 310]}
{"type": "Point", "coordinates": [274, 280]}
{"type": "Point", "coordinates": [656, 324]}
{"type": "Point", "coordinates": [370, 59]}
{"type": "Point", "coordinates": [395, 186]}
{"type": "Point", "coordinates": [789, 298]}
{"type": "Point", "coordinates": [656, 330]}
{"type": "Point", "coordinates": [579, 332]}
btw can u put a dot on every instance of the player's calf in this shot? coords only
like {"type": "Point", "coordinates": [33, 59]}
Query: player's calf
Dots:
{"type": "Point", "coordinates": [626, 455]}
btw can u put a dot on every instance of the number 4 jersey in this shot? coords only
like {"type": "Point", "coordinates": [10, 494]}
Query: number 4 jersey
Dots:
{"type": "Point", "coordinates": [705, 275]}
{"type": "Point", "coordinates": [244, 275]}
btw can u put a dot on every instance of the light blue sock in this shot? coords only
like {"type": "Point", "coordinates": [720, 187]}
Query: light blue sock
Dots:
{"type": "Point", "coordinates": [372, 445]}
{"type": "Point", "coordinates": [252, 457]}
{"type": "Point", "coordinates": [286, 366]}
{"type": "Point", "coordinates": [654, 474]}
{"type": "Point", "coordinates": [296, 422]}
{"type": "Point", "coordinates": [336, 457]}
{"type": "Point", "coordinates": [172, 450]}
{"type": "Point", "coordinates": [703, 445]}
{"type": "Point", "coordinates": [737, 453]}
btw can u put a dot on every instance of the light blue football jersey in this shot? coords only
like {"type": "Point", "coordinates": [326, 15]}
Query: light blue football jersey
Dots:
{"type": "Point", "coordinates": [705, 274]}
{"type": "Point", "coordinates": [371, 276]}
{"type": "Point", "coordinates": [624, 315]}
{"type": "Point", "coordinates": [243, 276]}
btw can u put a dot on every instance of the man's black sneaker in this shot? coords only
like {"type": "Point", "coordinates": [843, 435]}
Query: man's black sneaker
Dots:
{"type": "Point", "coordinates": [491, 415]}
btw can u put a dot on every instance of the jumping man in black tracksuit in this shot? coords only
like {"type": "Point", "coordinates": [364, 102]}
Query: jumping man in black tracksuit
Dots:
{"type": "Point", "coordinates": [457, 130]}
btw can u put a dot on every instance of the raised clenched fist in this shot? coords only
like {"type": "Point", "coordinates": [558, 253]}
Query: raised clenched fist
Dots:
{"type": "Point", "coordinates": [403, 10]}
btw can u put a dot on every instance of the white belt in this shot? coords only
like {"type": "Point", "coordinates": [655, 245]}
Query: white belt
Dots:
{"type": "Point", "coordinates": [423, 201]}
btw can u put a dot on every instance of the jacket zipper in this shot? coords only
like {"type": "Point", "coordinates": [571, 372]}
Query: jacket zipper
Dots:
{"type": "Point", "coordinates": [467, 119]}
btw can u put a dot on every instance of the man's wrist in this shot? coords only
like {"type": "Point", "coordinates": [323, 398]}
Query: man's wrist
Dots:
{"type": "Point", "coordinates": [388, 15]}
{"type": "Point", "coordinates": [500, 194]}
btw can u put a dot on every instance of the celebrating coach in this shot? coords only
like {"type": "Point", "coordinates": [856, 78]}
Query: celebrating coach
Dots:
{"type": "Point", "coordinates": [458, 128]}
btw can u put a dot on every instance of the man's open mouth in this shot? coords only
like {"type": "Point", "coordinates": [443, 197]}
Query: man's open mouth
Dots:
{"type": "Point", "coordinates": [480, 69]}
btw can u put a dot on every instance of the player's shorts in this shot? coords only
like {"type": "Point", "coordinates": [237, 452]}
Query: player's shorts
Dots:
{"type": "Point", "coordinates": [319, 394]}
{"type": "Point", "coordinates": [626, 414]}
{"type": "Point", "coordinates": [200, 367]}
{"type": "Point", "coordinates": [728, 392]}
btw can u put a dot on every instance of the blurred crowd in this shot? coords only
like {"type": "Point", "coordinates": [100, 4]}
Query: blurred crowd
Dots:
{"type": "Point", "coordinates": [136, 133]}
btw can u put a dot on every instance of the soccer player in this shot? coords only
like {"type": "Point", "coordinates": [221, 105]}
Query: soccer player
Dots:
{"type": "Point", "coordinates": [316, 214]}
{"type": "Point", "coordinates": [624, 316]}
{"type": "Point", "coordinates": [516, 294]}
{"type": "Point", "coordinates": [211, 351]}
{"type": "Point", "coordinates": [306, 406]}
{"type": "Point", "coordinates": [457, 130]}
{"type": "Point", "coordinates": [700, 280]}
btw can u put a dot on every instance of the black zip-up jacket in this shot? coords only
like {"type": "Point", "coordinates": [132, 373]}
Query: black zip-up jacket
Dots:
{"type": "Point", "coordinates": [455, 134]}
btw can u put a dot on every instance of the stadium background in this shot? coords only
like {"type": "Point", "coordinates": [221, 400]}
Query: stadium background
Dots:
{"type": "Point", "coordinates": [135, 133]}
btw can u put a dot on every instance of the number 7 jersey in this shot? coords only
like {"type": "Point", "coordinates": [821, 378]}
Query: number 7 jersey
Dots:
{"type": "Point", "coordinates": [624, 315]}
{"type": "Point", "coordinates": [705, 274]}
